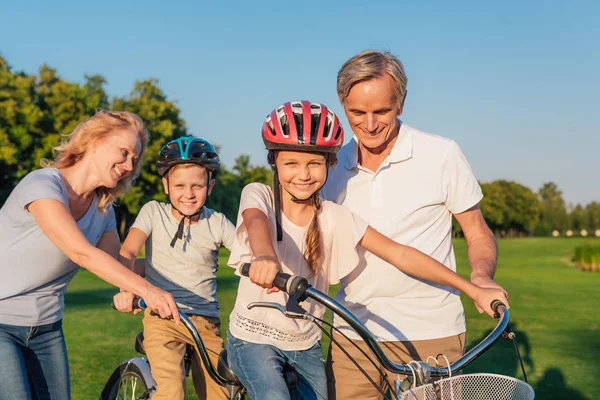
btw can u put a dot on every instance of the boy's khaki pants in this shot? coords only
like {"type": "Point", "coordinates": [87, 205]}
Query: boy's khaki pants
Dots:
{"type": "Point", "coordinates": [346, 381]}
{"type": "Point", "coordinates": [165, 343]}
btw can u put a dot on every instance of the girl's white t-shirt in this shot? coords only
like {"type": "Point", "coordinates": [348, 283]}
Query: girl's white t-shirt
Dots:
{"type": "Point", "coordinates": [341, 231]}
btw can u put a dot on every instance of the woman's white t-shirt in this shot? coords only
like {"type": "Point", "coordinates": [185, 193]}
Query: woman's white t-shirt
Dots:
{"type": "Point", "coordinates": [341, 231]}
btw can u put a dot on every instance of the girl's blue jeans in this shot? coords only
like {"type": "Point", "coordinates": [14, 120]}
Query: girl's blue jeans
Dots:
{"type": "Point", "coordinates": [260, 366]}
{"type": "Point", "coordinates": [34, 363]}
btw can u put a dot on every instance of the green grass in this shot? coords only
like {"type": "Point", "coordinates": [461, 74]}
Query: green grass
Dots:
{"type": "Point", "coordinates": [554, 314]}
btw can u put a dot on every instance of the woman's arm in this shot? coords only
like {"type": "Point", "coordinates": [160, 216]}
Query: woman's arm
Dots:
{"type": "Point", "coordinates": [412, 262]}
{"type": "Point", "coordinates": [57, 223]}
{"type": "Point", "coordinates": [265, 264]}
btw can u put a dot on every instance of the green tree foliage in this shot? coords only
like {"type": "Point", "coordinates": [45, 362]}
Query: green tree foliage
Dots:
{"type": "Point", "coordinates": [592, 212]}
{"type": "Point", "coordinates": [37, 110]}
{"type": "Point", "coordinates": [553, 212]}
{"type": "Point", "coordinates": [20, 131]}
{"type": "Point", "coordinates": [226, 193]}
{"type": "Point", "coordinates": [577, 218]}
{"type": "Point", "coordinates": [162, 119]}
{"type": "Point", "coordinates": [509, 208]}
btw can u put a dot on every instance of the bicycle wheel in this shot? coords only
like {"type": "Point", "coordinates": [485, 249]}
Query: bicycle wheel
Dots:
{"type": "Point", "coordinates": [128, 382]}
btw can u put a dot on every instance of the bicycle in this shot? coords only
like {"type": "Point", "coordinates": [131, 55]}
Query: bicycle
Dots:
{"type": "Point", "coordinates": [421, 376]}
{"type": "Point", "coordinates": [132, 379]}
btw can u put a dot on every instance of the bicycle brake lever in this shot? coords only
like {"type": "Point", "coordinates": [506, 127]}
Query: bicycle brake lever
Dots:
{"type": "Point", "coordinates": [277, 306]}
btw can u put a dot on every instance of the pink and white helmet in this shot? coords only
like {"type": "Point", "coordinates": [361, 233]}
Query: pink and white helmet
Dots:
{"type": "Point", "coordinates": [303, 126]}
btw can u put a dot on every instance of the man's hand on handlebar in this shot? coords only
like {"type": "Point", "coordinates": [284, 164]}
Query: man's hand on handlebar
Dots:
{"type": "Point", "coordinates": [485, 297]}
{"type": "Point", "coordinates": [263, 271]}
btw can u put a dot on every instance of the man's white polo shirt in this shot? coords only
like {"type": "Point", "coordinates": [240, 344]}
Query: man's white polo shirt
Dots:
{"type": "Point", "coordinates": [411, 199]}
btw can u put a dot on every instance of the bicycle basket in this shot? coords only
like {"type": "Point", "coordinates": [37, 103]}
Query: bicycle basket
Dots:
{"type": "Point", "coordinates": [425, 392]}
{"type": "Point", "coordinates": [473, 387]}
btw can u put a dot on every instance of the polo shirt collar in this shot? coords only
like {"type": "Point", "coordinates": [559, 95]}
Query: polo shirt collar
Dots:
{"type": "Point", "coordinates": [402, 150]}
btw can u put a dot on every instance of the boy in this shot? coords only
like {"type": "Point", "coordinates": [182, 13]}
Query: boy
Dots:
{"type": "Point", "coordinates": [182, 243]}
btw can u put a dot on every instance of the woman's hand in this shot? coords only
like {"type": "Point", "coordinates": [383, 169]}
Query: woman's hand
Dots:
{"type": "Point", "coordinates": [484, 298]}
{"type": "Point", "coordinates": [161, 302]}
{"type": "Point", "coordinates": [263, 271]}
{"type": "Point", "coordinates": [123, 301]}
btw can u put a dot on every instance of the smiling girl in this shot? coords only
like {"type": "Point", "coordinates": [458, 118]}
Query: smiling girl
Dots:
{"type": "Point", "coordinates": [57, 219]}
{"type": "Point", "coordinates": [290, 229]}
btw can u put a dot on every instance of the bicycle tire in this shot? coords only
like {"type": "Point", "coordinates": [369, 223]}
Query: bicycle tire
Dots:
{"type": "Point", "coordinates": [127, 382]}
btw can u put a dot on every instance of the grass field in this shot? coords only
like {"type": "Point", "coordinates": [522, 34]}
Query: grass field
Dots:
{"type": "Point", "coordinates": [554, 314]}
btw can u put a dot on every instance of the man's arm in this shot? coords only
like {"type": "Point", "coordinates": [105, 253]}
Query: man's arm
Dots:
{"type": "Point", "coordinates": [482, 248]}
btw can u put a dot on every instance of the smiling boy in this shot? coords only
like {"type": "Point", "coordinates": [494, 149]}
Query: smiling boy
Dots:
{"type": "Point", "coordinates": [182, 241]}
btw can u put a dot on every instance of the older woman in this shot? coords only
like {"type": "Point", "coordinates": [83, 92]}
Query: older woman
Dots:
{"type": "Point", "coordinates": [56, 219]}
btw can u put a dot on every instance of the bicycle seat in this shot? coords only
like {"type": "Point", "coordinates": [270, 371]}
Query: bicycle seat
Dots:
{"type": "Point", "coordinates": [226, 372]}
{"type": "Point", "coordinates": [139, 343]}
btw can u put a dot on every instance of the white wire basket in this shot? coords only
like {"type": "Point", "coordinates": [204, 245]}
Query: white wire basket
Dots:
{"type": "Point", "coordinates": [472, 387]}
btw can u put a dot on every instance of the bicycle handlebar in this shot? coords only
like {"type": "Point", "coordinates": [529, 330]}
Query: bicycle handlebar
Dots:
{"type": "Point", "coordinates": [299, 288]}
{"type": "Point", "coordinates": [138, 303]}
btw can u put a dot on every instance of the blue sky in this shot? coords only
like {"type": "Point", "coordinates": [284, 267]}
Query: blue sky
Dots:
{"type": "Point", "coordinates": [514, 83]}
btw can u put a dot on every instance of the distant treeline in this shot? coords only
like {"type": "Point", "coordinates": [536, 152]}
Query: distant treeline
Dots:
{"type": "Point", "coordinates": [35, 110]}
{"type": "Point", "coordinates": [514, 210]}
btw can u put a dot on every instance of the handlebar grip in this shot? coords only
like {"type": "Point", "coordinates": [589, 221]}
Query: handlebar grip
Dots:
{"type": "Point", "coordinates": [280, 282]}
{"type": "Point", "coordinates": [496, 304]}
{"type": "Point", "coordinates": [245, 270]}
{"type": "Point", "coordinates": [138, 302]}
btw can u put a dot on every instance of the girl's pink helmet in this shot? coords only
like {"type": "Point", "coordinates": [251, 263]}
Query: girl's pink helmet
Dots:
{"type": "Point", "coordinates": [303, 126]}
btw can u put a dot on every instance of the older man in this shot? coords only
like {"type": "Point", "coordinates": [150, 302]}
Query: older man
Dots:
{"type": "Point", "coordinates": [408, 185]}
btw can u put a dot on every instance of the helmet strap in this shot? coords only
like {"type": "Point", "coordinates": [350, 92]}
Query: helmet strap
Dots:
{"type": "Point", "coordinates": [179, 233]}
{"type": "Point", "coordinates": [277, 194]}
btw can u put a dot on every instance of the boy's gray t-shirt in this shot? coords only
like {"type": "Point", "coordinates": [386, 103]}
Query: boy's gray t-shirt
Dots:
{"type": "Point", "coordinates": [187, 270]}
{"type": "Point", "coordinates": [34, 271]}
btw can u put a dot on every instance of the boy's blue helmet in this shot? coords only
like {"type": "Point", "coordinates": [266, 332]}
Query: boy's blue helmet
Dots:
{"type": "Point", "coordinates": [188, 150]}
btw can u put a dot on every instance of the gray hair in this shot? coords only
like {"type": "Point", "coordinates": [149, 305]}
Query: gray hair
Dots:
{"type": "Point", "coordinates": [367, 65]}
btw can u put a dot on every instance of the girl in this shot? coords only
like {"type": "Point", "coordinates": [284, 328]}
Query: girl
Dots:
{"type": "Point", "coordinates": [293, 231]}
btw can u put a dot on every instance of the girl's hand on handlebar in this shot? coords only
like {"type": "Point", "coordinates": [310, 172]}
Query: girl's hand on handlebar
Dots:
{"type": "Point", "coordinates": [123, 301]}
{"type": "Point", "coordinates": [484, 281]}
{"type": "Point", "coordinates": [162, 303]}
{"type": "Point", "coordinates": [263, 271]}
{"type": "Point", "coordinates": [484, 298]}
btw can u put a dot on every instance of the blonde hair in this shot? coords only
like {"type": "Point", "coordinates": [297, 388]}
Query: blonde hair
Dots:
{"type": "Point", "coordinates": [104, 123]}
{"type": "Point", "coordinates": [371, 64]}
{"type": "Point", "coordinates": [185, 166]}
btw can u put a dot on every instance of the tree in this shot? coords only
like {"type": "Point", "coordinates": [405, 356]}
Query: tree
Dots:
{"type": "Point", "coordinates": [577, 218]}
{"type": "Point", "coordinates": [226, 194]}
{"type": "Point", "coordinates": [592, 211]}
{"type": "Point", "coordinates": [509, 208]}
{"type": "Point", "coordinates": [162, 119]}
{"type": "Point", "coordinates": [553, 213]}
{"type": "Point", "coordinates": [20, 132]}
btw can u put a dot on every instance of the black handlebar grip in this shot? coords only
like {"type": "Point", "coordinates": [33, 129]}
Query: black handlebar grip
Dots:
{"type": "Point", "coordinates": [245, 270]}
{"type": "Point", "coordinates": [495, 306]}
{"type": "Point", "coordinates": [138, 303]}
{"type": "Point", "coordinates": [280, 281]}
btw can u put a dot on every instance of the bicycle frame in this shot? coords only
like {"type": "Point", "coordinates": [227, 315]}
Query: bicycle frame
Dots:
{"type": "Point", "coordinates": [299, 290]}
{"type": "Point", "coordinates": [228, 380]}
{"type": "Point", "coordinates": [363, 332]}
